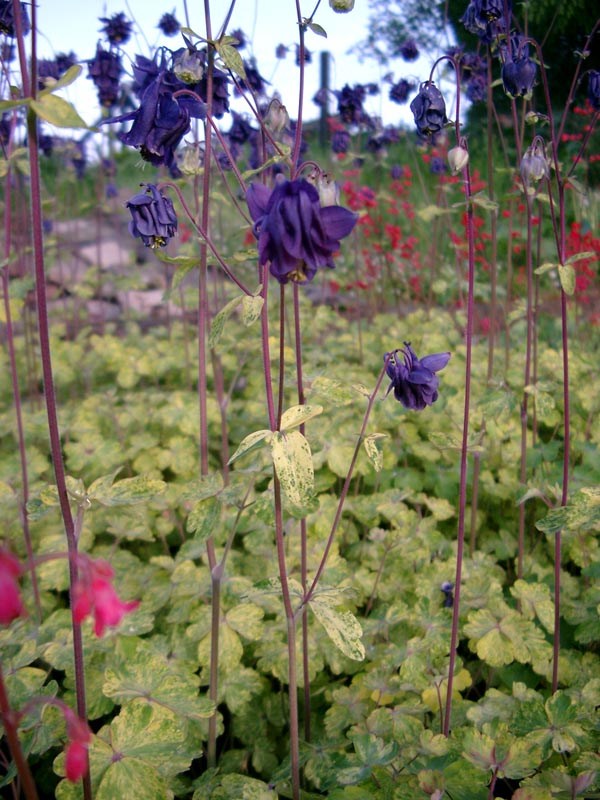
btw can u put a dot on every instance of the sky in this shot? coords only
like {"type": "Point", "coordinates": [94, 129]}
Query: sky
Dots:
{"type": "Point", "coordinates": [67, 25]}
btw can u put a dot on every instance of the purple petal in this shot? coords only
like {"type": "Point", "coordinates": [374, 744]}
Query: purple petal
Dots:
{"type": "Point", "coordinates": [338, 221]}
{"type": "Point", "coordinates": [435, 362]}
{"type": "Point", "coordinates": [257, 198]}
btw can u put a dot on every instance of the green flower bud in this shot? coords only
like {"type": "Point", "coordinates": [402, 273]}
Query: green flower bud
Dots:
{"type": "Point", "coordinates": [341, 6]}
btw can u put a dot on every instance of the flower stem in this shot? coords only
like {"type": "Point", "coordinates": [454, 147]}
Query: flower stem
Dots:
{"type": "Point", "coordinates": [462, 501]}
{"type": "Point", "coordinates": [10, 723]}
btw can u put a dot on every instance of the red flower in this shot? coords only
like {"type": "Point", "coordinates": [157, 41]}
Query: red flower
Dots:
{"type": "Point", "coordinates": [11, 605]}
{"type": "Point", "coordinates": [76, 755]}
{"type": "Point", "coordinates": [94, 594]}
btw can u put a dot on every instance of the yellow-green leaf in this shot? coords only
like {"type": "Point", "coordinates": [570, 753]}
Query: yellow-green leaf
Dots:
{"type": "Point", "coordinates": [57, 112]}
{"type": "Point", "coordinates": [297, 415]}
{"type": "Point", "coordinates": [566, 274]}
{"type": "Point", "coordinates": [293, 464]}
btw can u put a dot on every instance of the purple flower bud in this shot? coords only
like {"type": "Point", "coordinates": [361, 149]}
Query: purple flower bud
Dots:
{"type": "Point", "coordinates": [105, 71]}
{"type": "Point", "coordinates": [153, 218]}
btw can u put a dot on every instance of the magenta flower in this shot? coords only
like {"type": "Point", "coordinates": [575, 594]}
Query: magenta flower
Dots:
{"type": "Point", "coordinates": [76, 751]}
{"type": "Point", "coordinates": [11, 605]}
{"type": "Point", "coordinates": [94, 594]}
{"type": "Point", "coordinates": [295, 234]}
{"type": "Point", "coordinates": [414, 381]}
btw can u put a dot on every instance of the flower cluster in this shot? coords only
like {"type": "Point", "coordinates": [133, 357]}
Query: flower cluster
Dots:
{"type": "Point", "coordinates": [414, 381]}
{"type": "Point", "coordinates": [169, 24]}
{"type": "Point", "coordinates": [93, 593]}
{"type": "Point", "coordinates": [296, 235]}
{"type": "Point", "coordinates": [153, 218]}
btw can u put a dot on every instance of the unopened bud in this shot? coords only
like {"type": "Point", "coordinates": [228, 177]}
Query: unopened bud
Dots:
{"type": "Point", "coordinates": [534, 164]}
{"type": "Point", "coordinates": [329, 193]}
{"type": "Point", "coordinates": [458, 158]}
{"type": "Point", "coordinates": [341, 6]}
{"type": "Point", "coordinates": [277, 117]}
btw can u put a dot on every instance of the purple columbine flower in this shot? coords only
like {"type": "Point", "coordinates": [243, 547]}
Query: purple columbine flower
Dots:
{"type": "Point", "coordinates": [7, 20]}
{"type": "Point", "coordinates": [447, 588]}
{"type": "Point", "coordinates": [105, 71]}
{"type": "Point", "coordinates": [429, 109]}
{"type": "Point", "coordinates": [399, 91]}
{"type": "Point", "coordinates": [117, 28]}
{"type": "Point", "coordinates": [414, 381]}
{"type": "Point", "coordinates": [350, 104]}
{"type": "Point", "coordinates": [340, 141]}
{"type": "Point", "coordinates": [409, 50]}
{"type": "Point", "coordinates": [153, 218]}
{"type": "Point", "coordinates": [518, 70]}
{"type": "Point", "coordinates": [593, 77]}
{"type": "Point", "coordinates": [485, 19]}
{"type": "Point", "coordinates": [168, 24]}
{"type": "Point", "coordinates": [295, 234]}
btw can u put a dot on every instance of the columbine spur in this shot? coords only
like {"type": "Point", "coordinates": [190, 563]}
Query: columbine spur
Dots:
{"type": "Point", "coordinates": [295, 234]}
{"type": "Point", "coordinates": [414, 381]}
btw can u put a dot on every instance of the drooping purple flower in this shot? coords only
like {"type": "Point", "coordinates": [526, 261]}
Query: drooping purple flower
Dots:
{"type": "Point", "coordinates": [7, 20]}
{"type": "Point", "coordinates": [396, 172]}
{"type": "Point", "coordinates": [281, 51]}
{"type": "Point", "coordinates": [438, 166]}
{"type": "Point", "coordinates": [296, 235]}
{"type": "Point", "coordinates": [447, 588]}
{"type": "Point", "coordinates": [593, 78]}
{"type": "Point", "coordinates": [117, 28]}
{"type": "Point", "coordinates": [518, 70]}
{"type": "Point", "coordinates": [105, 71]}
{"type": "Point", "coordinates": [159, 124]}
{"type": "Point", "coordinates": [399, 91]}
{"type": "Point", "coordinates": [340, 141]}
{"type": "Point", "coordinates": [153, 218]}
{"type": "Point", "coordinates": [485, 19]}
{"type": "Point", "coordinates": [350, 104]}
{"type": "Point", "coordinates": [414, 381]}
{"type": "Point", "coordinates": [409, 50]}
{"type": "Point", "coordinates": [429, 109]}
{"type": "Point", "coordinates": [168, 24]}
{"type": "Point", "coordinates": [65, 61]}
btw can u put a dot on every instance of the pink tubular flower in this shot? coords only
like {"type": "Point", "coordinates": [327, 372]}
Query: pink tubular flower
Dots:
{"type": "Point", "coordinates": [11, 605]}
{"type": "Point", "coordinates": [94, 594]}
{"type": "Point", "coordinates": [76, 751]}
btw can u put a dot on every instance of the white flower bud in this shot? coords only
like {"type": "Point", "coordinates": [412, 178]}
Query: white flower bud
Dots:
{"type": "Point", "coordinates": [277, 117]}
{"type": "Point", "coordinates": [329, 192]}
{"type": "Point", "coordinates": [458, 158]}
{"type": "Point", "coordinates": [534, 164]}
{"type": "Point", "coordinates": [188, 67]}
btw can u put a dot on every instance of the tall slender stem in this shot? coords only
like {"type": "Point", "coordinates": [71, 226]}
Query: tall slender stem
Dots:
{"type": "Point", "coordinates": [462, 501]}
{"type": "Point", "coordinates": [10, 723]}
